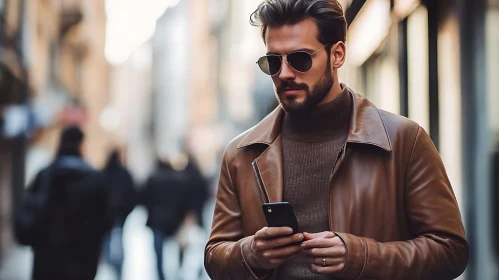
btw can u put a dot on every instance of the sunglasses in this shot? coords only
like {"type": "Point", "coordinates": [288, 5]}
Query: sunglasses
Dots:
{"type": "Point", "coordinates": [301, 61]}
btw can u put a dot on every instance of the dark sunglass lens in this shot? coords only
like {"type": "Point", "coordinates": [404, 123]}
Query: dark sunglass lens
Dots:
{"type": "Point", "coordinates": [270, 64]}
{"type": "Point", "coordinates": [300, 61]}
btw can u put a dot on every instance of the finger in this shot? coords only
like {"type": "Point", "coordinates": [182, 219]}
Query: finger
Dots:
{"type": "Point", "coordinates": [283, 252]}
{"type": "Point", "coordinates": [324, 234]}
{"type": "Point", "coordinates": [336, 269]}
{"type": "Point", "coordinates": [279, 261]}
{"type": "Point", "coordinates": [322, 243]}
{"type": "Point", "coordinates": [273, 232]}
{"type": "Point", "coordinates": [322, 252]}
{"type": "Point", "coordinates": [319, 252]}
{"type": "Point", "coordinates": [333, 252]}
{"type": "Point", "coordinates": [329, 261]}
{"type": "Point", "coordinates": [264, 244]}
{"type": "Point", "coordinates": [318, 243]}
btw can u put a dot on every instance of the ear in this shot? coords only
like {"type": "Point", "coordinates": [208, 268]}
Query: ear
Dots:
{"type": "Point", "coordinates": [338, 54]}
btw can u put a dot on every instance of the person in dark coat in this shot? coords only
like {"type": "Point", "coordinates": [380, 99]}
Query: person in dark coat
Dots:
{"type": "Point", "coordinates": [198, 189]}
{"type": "Point", "coordinates": [166, 198]}
{"type": "Point", "coordinates": [75, 214]}
{"type": "Point", "coordinates": [123, 201]}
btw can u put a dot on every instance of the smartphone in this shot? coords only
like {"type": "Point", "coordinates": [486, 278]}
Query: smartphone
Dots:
{"type": "Point", "coordinates": [280, 214]}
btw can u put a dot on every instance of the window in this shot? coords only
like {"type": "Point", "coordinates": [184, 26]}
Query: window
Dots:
{"type": "Point", "coordinates": [418, 66]}
{"type": "Point", "coordinates": [449, 83]}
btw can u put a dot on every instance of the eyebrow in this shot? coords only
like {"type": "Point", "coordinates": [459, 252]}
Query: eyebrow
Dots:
{"type": "Point", "coordinates": [297, 50]}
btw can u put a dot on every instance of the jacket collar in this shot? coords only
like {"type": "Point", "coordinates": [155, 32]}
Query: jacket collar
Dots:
{"type": "Point", "coordinates": [72, 162]}
{"type": "Point", "coordinates": [366, 126]}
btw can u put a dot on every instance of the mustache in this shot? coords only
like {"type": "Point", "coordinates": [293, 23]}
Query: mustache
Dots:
{"type": "Point", "coordinates": [291, 86]}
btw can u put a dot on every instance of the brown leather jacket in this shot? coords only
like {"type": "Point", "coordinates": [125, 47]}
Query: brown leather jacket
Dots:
{"type": "Point", "coordinates": [390, 200]}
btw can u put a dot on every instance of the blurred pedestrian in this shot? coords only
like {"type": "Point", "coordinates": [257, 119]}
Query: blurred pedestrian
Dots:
{"type": "Point", "coordinates": [65, 214]}
{"type": "Point", "coordinates": [193, 233]}
{"type": "Point", "coordinates": [166, 197]}
{"type": "Point", "coordinates": [198, 189]}
{"type": "Point", "coordinates": [123, 201]}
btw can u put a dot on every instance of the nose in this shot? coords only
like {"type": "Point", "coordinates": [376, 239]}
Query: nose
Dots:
{"type": "Point", "coordinates": [287, 72]}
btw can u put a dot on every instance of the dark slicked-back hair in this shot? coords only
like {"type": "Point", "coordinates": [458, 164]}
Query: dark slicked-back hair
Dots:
{"type": "Point", "coordinates": [71, 139]}
{"type": "Point", "coordinates": [328, 14]}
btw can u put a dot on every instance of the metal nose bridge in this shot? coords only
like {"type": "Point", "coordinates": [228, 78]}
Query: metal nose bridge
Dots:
{"type": "Point", "coordinates": [284, 58]}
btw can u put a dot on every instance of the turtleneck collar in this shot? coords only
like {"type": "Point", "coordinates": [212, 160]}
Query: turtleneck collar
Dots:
{"type": "Point", "coordinates": [326, 122]}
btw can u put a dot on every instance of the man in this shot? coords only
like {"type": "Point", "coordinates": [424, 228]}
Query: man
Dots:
{"type": "Point", "coordinates": [197, 187]}
{"type": "Point", "coordinates": [69, 214]}
{"type": "Point", "coordinates": [166, 198]}
{"type": "Point", "coordinates": [368, 187]}
{"type": "Point", "coordinates": [124, 198]}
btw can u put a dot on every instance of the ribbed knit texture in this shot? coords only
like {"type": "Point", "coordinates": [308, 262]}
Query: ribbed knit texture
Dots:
{"type": "Point", "coordinates": [310, 146]}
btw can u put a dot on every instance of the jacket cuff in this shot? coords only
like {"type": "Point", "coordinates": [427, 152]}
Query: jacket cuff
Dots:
{"type": "Point", "coordinates": [252, 274]}
{"type": "Point", "coordinates": [356, 256]}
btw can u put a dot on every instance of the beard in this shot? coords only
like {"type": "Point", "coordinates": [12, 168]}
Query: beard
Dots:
{"type": "Point", "coordinates": [312, 98]}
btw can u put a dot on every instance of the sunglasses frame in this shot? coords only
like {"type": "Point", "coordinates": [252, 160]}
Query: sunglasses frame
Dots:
{"type": "Point", "coordinates": [280, 56]}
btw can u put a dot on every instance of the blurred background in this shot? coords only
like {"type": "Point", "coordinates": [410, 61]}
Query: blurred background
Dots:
{"type": "Point", "coordinates": [164, 79]}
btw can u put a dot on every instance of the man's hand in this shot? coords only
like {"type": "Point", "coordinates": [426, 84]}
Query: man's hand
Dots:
{"type": "Point", "coordinates": [326, 252]}
{"type": "Point", "coordinates": [272, 246]}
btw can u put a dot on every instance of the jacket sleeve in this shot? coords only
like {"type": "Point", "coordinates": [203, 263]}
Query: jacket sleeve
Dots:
{"type": "Point", "coordinates": [438, 250]}
{"type": "Point", "coordinates": [224, 252]}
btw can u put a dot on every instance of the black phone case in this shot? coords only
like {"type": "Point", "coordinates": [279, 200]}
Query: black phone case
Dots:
{"type": "Point", "coordinates": [280, 214]}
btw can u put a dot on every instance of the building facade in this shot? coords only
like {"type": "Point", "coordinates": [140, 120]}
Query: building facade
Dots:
{"type": "Point", "coordinates": [13, 99]}
{"type": "Point", "coordinates": [53, 73]}
{"type": "Point", "coordinates": [436, 63]}
{"type": "Point", "coordinates": [206, 85]}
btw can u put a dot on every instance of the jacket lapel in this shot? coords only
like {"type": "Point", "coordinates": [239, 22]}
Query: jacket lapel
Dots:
{"type": "Point", "coordinates": [270, 166]}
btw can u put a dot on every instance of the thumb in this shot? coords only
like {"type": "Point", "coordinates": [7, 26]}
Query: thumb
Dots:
{"type": "Point", "coordinates": [325, 234]}
{"type": "Point", "coordinates": [308, 236]}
